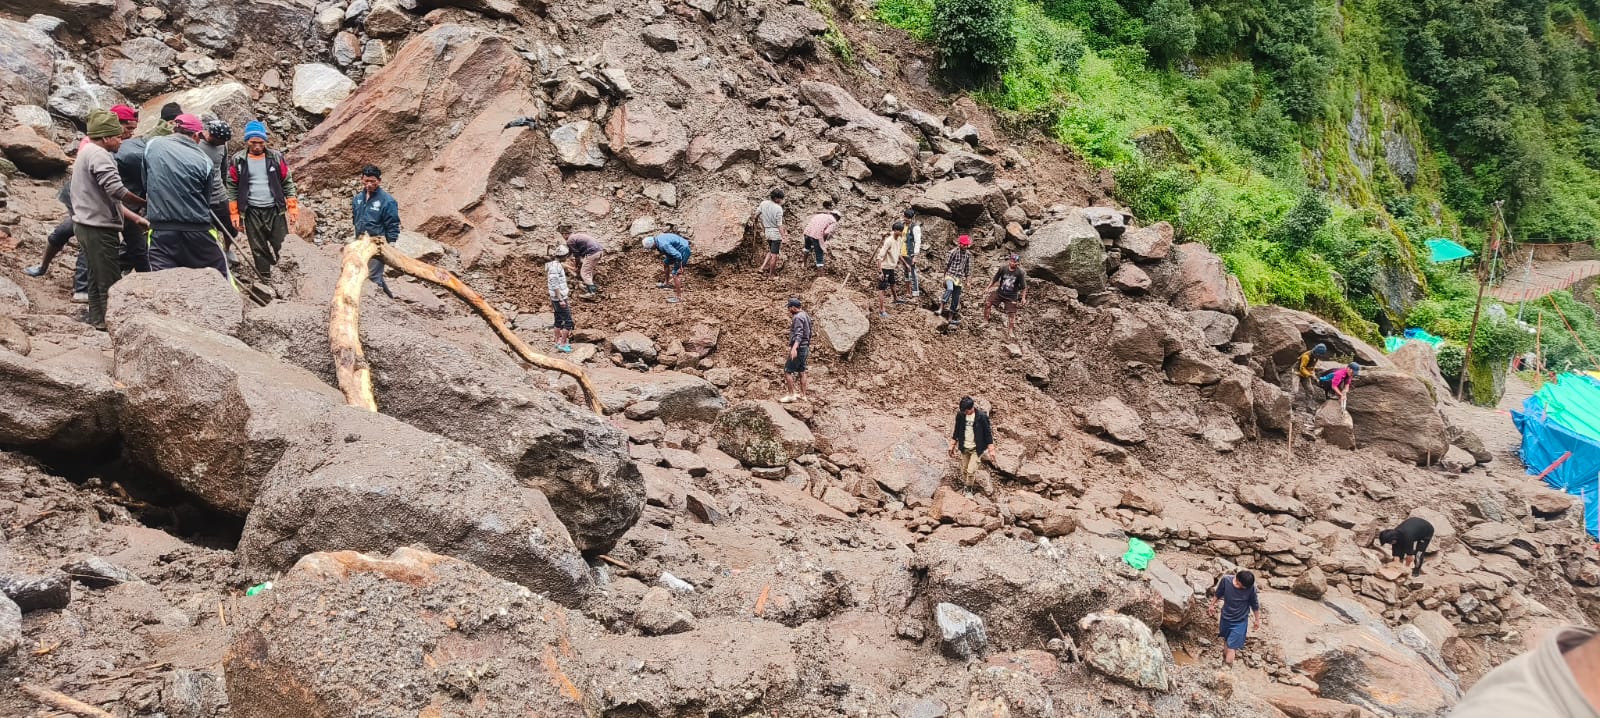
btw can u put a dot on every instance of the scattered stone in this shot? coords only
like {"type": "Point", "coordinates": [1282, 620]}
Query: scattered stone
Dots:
{"type": "Point", "coordinates": [1218, 328]}
{"type": "Point", "coordinates": [634, 346]}
{"type": "Point", "coordinates": [961, 632]}
{"type": "Point", "coordinates": [840, 500]}
{"type": "Point", "coordinates": [642, 411]}
{"type": "Point", "coordinates": [37, 593]}
{"type": "Point", "coordinates": [1204, 283]}
{"type": "Point", "coordinates": [686, 461]}
{"type": "Point", "coordinates": [1115, 419]}
{"type": "Point", "coordinates": [788, 30]}
{"type": "Point", "coordinates": [1108, 221]}
{"type": "Point", "coordinates": [659, 615]}
{"type": "Point", "coordinates": [1130, 279]}
{"type": "Point", "coordinates": [675, 584]}
{"type": "Point", "coordinates": [1185, 367]}
{"type": "Point", "coordinates": [1125, 649]}
{"type": "Point", "coordinates": [1263, 498]}
{"type": "Point", "coordinates": [96, 572]}
{"type": "Point", "coordinates": [647, 138]}
{"type": "Point", "coordinates": [662, 37]}
{"type": "Point", "coordinates": [1489, 536]}
{"type": "Point", "coordinates": [1312, 584]}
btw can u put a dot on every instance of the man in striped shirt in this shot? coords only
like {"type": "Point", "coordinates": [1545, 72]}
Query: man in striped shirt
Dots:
{"type": "Point", "coordinates": [794, 369]}
{"type": "Point", "coordinates": [956, 268]}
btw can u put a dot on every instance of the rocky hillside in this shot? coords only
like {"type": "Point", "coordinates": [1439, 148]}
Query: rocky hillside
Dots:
{"type": "Point", "coordinates": [486, 546]}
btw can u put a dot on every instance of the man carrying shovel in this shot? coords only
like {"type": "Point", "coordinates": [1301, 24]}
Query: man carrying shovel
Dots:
{"type": "Point", "coordinates": [262, 200]}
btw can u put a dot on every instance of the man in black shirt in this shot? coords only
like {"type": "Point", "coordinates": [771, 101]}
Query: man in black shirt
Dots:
{"type": "Point", "coordinates": [972, 440]}
{"type": "Point", "coordinates": [1010, 292]}
{"type": "Point", "coordinates": [1410, 540]}
{"type": "Point", "coordinates": [794, 368]}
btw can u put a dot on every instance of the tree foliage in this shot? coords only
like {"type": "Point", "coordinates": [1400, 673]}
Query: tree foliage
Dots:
{"type": "Point", "coordinates": [975, 38]}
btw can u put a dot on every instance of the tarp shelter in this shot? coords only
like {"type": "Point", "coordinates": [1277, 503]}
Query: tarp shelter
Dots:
{"type": "Point", "coordinates": [1443, 250]}
{"type": "Point", "coordinates": [1393, 344]}
{"type": "Point", "coordinates": [1564, 416]}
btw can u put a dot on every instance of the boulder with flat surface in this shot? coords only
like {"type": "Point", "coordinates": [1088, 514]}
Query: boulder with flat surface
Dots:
{"type": "Point", "coordinates": [648, 138]}
{"type": "Point", "coordinates": [961, 201]}
{"type": "Point", "coordinates": [716, 223]}
{"type": "Point", "coordinates": [1203, 282]}
{"type": "Point", "coordinates": [1147, 244]}
{"type": "Point", "coordinates": [579, 145]}
{"type": "Point", "coordinates": [60, 397]}
{"type": "Point", "coordinates": [1394, 412]}
{"type": "Point", "coordinates": [27, 62]}
{"type": "Point", "coordinates": [1068, 252]}
{"type": "Point", "coordinates": [202, 297]}
{"type": "Point", "coordinates": [872, 138]}
{"type": "Point", "coordinates": [679, 396]}
{"type": "Point", "coordinates": [231, 102]}
{"type": "Point", "coordinates": [318, 88]}
{"type": "Point", "coordinates": [32, 152]}
{"type": "Point", "coordinates": [762, 433]}
{"type": "Point", "coordinates": [788, 30]}
{"type": "Point", "coordinates": [1126, 650]}
{"type": "Point", "coordinates": [1115, 419]}
{"type": "Point", "coordinates": [904, 456]}
{"type": "Point", "coordinates": [841, 323]}
{"type": "Point", "coordinates": [1336, 425]}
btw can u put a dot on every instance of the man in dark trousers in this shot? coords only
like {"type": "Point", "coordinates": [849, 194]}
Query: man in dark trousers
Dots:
{"type": "Point", "coordinates": [262, 200]}
{"type": "Point", "coordinates": [97, 209]}
{"type": "Point", "coordinates": [130, 164]}
{"type": "Point", "coordinates": [1236, 594]}
{"type": "Point", "coordinates": [178, 177]}
{"type": "Point", "coordinates": [376, 213]}
{"type": "Point", "coordinates": [1409, 541]}
{"type": "Point", "coordinates": [972, 440]}
{"type": "Point", "coordinates": [794, 365]}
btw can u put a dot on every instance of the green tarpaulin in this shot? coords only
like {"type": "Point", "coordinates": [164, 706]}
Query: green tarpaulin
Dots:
{"type": "Point", "coordinates": [1444, 250]}
{"type": "Point", "coordinates": [1573, 401]}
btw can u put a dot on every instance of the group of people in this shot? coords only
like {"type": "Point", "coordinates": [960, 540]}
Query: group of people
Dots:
{"type": "Point", "coordinates": [1335, 383]}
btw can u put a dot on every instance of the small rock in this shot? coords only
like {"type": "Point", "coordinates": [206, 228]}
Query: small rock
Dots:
{"type": "Point", "coordinates": [677, 585]}
{"type": "Point", "coordinates": [642, 411]}
{"type": "Point", "coordinates": [96, 572]}
{"type": "Point", "coordinates": [10, 627]}
{"type": "Point", "coordinates": [961, 632]}
{"type": "Point", "coordinates": [840, 500]}
{"type": "Point", "coordinates": [658, 614]}
{"type": "Point", "coordinates": [661, 37]}
{"type": "Point", "coordinates": [1125, 649]}
{"type": "Point", "coordinates": [770, 473]}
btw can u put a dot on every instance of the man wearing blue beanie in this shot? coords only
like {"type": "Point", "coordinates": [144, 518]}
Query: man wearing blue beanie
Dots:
{"type": "Point", "coordinates": [262, 201]}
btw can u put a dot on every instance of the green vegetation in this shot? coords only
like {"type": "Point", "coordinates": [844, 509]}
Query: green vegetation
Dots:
{"type": "Point", "coordinates": [1315, 144]}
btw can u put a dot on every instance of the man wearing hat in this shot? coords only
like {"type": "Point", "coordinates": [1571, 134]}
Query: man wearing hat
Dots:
{"type": "Point", "coordinates": [374, 212]}
{"type": "Point", "coordinates": [794, 368]}
{"type": "Point", "coordinates": [178, 177]}
{"type": "Point", "coordinates": [957, 265]}
{"type": "Point", "coordinates": [135, 255]}
{"type": "Point", "coordinates": [555, 282]}
{"type": "Point", "coordinates": [132, 233]}
{"type": "Point", "coordinates": [97, 210]}
{"type": "Point", "coordinates": [262, 200]}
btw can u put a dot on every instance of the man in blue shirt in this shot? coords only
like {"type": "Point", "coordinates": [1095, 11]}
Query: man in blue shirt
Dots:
{"type": "Point", "coordinates": [674, 251]}
{"type": "Point", "coordinates": [1237, 596]}
{"type": "Point", "coordinates": [376, 213]}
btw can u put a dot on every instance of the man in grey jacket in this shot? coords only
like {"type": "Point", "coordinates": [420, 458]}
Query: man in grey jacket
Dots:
{"type": "Point", "coordinates": [178, 177]}
{"type": "Point", "coordinates": [97, 211]}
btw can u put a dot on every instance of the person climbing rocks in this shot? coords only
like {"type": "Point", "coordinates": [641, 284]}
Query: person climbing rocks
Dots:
{"type": "Point", "coordinates": [794, 365]}
{"type": "Point", "coordinates": [555, 282]}
{"type": "Point", "coordinates": [262, 198]}
{"type": "Point", "coordinates": [1336, 384]}
{"type": "Point", "coordinates": [98, 195]}
{"type": "Point", "coordinates": [587, 251]}
{"type": "Point", "coordinates": [1558, 678]}
{"type": "Point", "coordinates": [1408, 542]}
{"type": "Point", "coordinates": [178, 178]}
{"type": "Point", "coordinates": [135, 255]}
{"type": "Point", "coordinates": [819, 229]}
{"type": "Point", "coordinates": [674, 250]}
{"type": "Point", "coordinates": [1009, 289]}
{"type": "Point", "coordinates": [957, 265]}
{"type": "Point", "coordinates": [374, 212]}
{"type": "Point", "coordinates": [972, 440]}
{"type": "Point", "coordinates": [911, 238]}
{"type": "Point", "coordinates": [1237, 596]}
{"type": "Point", "coordinates": [1307, 366]}
{"type": "Point", "coordinates": [770, 214]}
{"type": "Point", "coordinates": [888, 259]}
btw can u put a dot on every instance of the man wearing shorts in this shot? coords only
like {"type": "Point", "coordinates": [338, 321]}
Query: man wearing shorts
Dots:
{"type": "Point", "coordinates": [1236, 594]}
{"type": "Point", "coordinates": [674, 250]}
{"type": "Point", "coordinates": [887, 257]}
{"type": "Point", "coordinates": [1010, 285]}
{"type": "Point", "coordinates": [555, 281]}
{"type": "Point", "coordinates": [771, 215]}
{"type": "Point", "coordinates": [794, 368]}
{"type": "Point", "coordinates": [911, 233]}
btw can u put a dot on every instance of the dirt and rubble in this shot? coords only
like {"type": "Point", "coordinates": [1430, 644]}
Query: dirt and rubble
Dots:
{"type": "Point", "coordinates": [485, 546]}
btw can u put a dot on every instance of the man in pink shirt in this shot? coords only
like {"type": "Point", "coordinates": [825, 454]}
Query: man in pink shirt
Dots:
{"type": "Point", "coordinates": [819, 229]}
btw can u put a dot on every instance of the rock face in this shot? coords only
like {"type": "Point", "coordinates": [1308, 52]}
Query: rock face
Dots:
{"type": "Point", "coordinates": [319, 88]}
{"type": "Point", "coordinates": [841, 323]}
{"type": "Point", "coordinates": [1125, 649]}
{"type": "Point", "coordinates": [1394, 412]}
{"type": "Point", "coordinates": [578, 145]}
{"type": "Point", "coordinates": [865, 135]}
{"type": "Point", "coordinates": [1068, 252]}
{"type": "Point", "coordinates": [961, 634]}
{"type": "Point", "coordinates": [293, 661]}
{"type": "Point", "coordinates": [1115, 419]}
{"type": "Point", "coordinates": [761, 433]}
{"type": "Point", "coordinates": [647, 138]}
{"type": "Point", "coordinates": [27, 62]}
{"type": "Point", "coordinates": [478, 396]}
{"type": "Point", "coordinates": [1204, 283]}
{"type": "Point", "coordinates": [32, 153]}
{"type": "Point", "coordinates": [716, 222]}
{"type": "Point", "coordinates": [201, 297]}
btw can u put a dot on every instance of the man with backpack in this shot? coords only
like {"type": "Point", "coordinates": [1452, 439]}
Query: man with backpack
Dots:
{"type": "Point", "coordinates": [262, 199]}
{"type": "Point", "coordinates": [912, 241]}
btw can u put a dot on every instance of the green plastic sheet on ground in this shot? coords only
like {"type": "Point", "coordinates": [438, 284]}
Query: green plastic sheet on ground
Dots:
{"type": "Point", "coordinates": [1139, 554]}
{"type": "Point", "coordinates": [1573, 401]}
{"type": "Point", "coordinates": [1445, 250]}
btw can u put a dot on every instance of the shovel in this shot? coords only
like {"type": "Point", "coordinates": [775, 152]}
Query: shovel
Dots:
{"type": "Point", "coordinates": [255, 289]}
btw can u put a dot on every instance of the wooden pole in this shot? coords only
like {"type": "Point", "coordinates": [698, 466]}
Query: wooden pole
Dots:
{"type": "Point", "coordinates": [1472, 333]}
{"type": "Point", "coordinates": [344, 333]}
{"type": "Point", "coordinates": [62, 702]}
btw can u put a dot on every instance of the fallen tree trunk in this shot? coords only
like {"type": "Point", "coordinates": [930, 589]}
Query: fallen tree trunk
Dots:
{"type": "Point", "coordinates": [63, 702]}
{"type": "Point", "coordinates": [344, 331]}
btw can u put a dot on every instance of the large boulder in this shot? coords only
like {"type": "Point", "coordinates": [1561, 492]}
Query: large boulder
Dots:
{"type": "Point", "coordinates": [202, 297]}
{"type": "Point", "coordinates": [1110, 416]}
{"type": "Point", "coordinates": [1335, 424]}
{"type": "Point", "coordinates": [1126, 650]}
{"type": "Point", "coordinates": [468, 80]}
{"type": "Point", "coordinates": [788, 30]}
{"type": "Point", "coordinates": [716, 224]}
{"type": "Point", "coordinates": [266, 26]}
{"type": "Point", "coordinates": [904, 456]}
{"type": "Point", "coordinates": [841, 323]}
{"type": "Point", "coordinates": [1204, 283]}
{"type": "Point", "coordinates": [318, 88]}
{"type": "Point", "coordinates": [1147, 244]}
{"type": "Point", "coordinates": [137, 66]}
{"type": "Point", "coordinates": [460, 641]}
{"type": "Point", "coordinates": [60, 397]}
{"type": "Point", "coordinates": [1420, 360]}
{"type": "Point", "coordinates": [1068, 252]}
{"type": "Point", "coordinates": [1394, 412]}
{"type": "Point", "coordinates": [32, 152]}
{"type": "Point", "coordinates": [231, 102]}
{"type": "Point", "coordinates": [648, 138]}
{"type": "Point", "coordinates": [27, 60]}
{"type": "Point", "coordinates": [866, 135]}
{"type": "Point", "coordinates": [1274, 335]}
{"type": "Point", "coordinates": [680, 397]}
{"type": "Point", "coordinates": [579, 145]}
{"type": "Point", "coordinates": [478, 396]}
{"type": "Point", "coordinates": [762, 433]}
{"type": "Point", "coordinates": [961, 201]}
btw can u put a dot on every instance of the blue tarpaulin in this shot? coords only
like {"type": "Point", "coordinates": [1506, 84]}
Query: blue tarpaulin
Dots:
{"type": "Point", "coordinates": [1554, 422]}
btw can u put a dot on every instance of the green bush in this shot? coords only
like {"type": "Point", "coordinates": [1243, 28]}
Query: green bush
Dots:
{"type": "Point", "coordinates": [975, 38]}
{"type": "Point", "coordinates": [913, 16]}
{"type": "Point", "coordinates": [1450, 359]}
{"type": "Point", "coordinates": [1170, 27]}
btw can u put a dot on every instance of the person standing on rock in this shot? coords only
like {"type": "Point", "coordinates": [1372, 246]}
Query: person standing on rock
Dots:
{"type": "Point", "coordinates": [262, 198]}
{"type": "Point", "coordinates": [674, 250]}
{"type": "Point", "coordinates": [215, 144]}
{"type": "Point", "coordinates": [911, 237]}
{"type": "Point", "coordinates": [957, 266]}
{"type": "Point", "coordinates": [178, 177]}
{"type": "Point", "coordinates": [57, 241]}
{"type": "Point", "coordinates": [819, 229]}
{"type": "Point", "coordinates": [794, 367]}
{"type": "Point", "coordinates": [98, 195]}
{"type": "Point", "coordinates": [972, 440]}
{"type": "Point", "coordinates": [770, 213]}
{"type": "Point", "coordinates": [375, 213]}
{"type": "Point", "coordinates": [1409, 541]}
{"type": "Point", "coordinates": [587, 251]}
{"type": "Point", "coordinates": [1237, 596]}
{"type": "Point", "coordinates": [555, 282]}
{"type": "Point", "coordinates": [1009, 290]}
{"type": "Point", "coordinates": [888, 259]}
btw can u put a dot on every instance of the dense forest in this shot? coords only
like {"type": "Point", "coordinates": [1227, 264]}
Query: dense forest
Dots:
{"type": "Point", "coordinates": [1315, 145]}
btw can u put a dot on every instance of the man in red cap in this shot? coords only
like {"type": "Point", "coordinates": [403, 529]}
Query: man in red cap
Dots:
{"type": "Point", "coordinates": [129, 118]}
{"type": "Point", "coordinates": [178, 181]}
{"type": "Point", "coordinates": [957, 265]}
{"type": "Point", "coordinates": [135, 253]}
